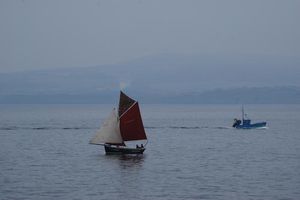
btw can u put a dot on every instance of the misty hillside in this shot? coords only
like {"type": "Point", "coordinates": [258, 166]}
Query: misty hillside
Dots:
{"type": "Point", "coordinates": [204, 79]}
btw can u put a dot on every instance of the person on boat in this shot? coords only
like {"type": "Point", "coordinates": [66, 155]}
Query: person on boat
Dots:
{"type": "Point", "coordinates": [237, 122]}
{"type": "Point", "coordinates": [137, 146]}
{"type": "Point", "coordinates": [142, 146]}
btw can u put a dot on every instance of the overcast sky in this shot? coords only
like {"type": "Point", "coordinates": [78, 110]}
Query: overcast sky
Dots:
{"type": "Point", "coordinates": [39, 34]}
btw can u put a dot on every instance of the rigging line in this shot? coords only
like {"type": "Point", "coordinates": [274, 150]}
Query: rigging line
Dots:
{"type": "Point", "coordinates": [128, 109]}
{"type": "Point", "coordinates": [146, 142]}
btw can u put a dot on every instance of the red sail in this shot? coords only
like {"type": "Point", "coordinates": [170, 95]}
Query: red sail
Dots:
{"type": "Point", "coordinates": [125, 103]}
{"type": "Point", "coordinates": [131, 124]}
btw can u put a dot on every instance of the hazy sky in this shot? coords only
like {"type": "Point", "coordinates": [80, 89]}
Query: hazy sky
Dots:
{"type": "Point", "coordinates": [38, 34]}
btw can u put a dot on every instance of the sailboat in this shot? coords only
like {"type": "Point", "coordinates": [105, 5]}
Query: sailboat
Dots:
{"type": "Point", "coordinates": [122, 126]}
{"type": "Point", "coordinates": [245, 123]}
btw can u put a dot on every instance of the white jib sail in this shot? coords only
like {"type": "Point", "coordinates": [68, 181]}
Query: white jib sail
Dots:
{"type": "Point", "coordinates": [109, 131]}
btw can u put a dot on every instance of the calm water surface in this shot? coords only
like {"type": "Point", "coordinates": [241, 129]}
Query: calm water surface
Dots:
{"type": "Point", "coordinates": [192, 153]}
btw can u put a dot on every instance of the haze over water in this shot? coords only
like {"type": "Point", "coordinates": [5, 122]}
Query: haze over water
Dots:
{"type": "Point", "coordinates": [169, 51]}
{"type": "Point", "coordinates": [192, 153]}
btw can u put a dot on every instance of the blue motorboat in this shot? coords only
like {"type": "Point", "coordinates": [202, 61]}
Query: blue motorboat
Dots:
{"type": "Point", "coordinates": [245, 123]}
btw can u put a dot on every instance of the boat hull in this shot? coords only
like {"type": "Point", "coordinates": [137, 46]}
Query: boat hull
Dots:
{"type": "Point", "coordinates": [123, 150]}
{"type": "Point", "coordinates": [252, 126]}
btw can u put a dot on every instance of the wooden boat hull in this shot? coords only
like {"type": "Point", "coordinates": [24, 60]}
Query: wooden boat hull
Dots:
{"type": "Point", "coordinates": [123, 150]}
{"type": "Point", "coordinates": [252, 126]}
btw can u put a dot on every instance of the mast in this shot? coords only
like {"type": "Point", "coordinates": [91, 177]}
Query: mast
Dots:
{"type": "Point", "coordinates": [243, 113]}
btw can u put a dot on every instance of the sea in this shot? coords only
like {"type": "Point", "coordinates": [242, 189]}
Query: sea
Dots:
{"type": "Point", "coordinates": [192, 153]}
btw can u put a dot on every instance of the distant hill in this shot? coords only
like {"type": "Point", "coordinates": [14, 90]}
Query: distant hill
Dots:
{"type": "Point", "coordinates": [162, 78]}
{"type": "Point", "coordinates": [263, 95]}
{"type": "Point", "coordinates": [245, 95]}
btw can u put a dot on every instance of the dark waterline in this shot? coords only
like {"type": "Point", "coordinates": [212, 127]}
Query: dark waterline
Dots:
{"type": "Point", "coordinates": [192, 153]}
